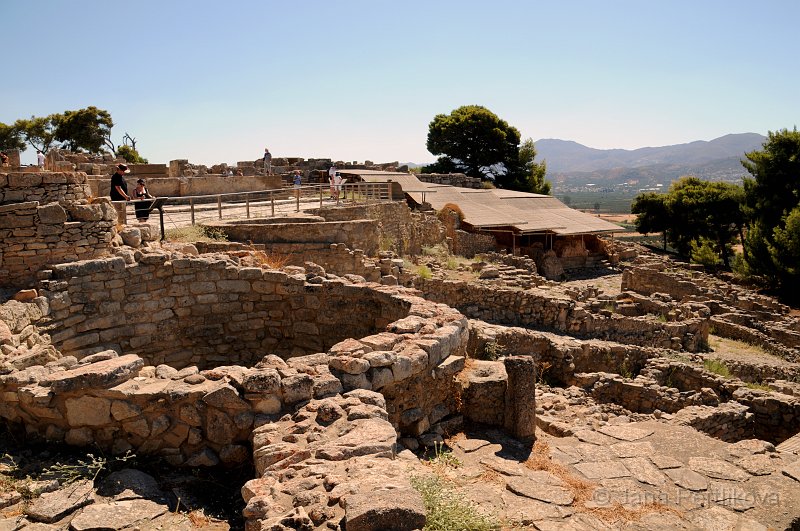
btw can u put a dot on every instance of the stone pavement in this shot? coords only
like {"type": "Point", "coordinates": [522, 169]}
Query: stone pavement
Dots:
{"type": "Point", "coordinates": [645, 475]}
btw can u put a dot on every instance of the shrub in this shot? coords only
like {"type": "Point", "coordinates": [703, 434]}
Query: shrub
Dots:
{"type": "Point", "coordinates": [195, 233]}
{"type": "Point", "coordinates": [425, 272]}
{"type": "Point", "coordinates": [717, 367]}
{"type": "Point", "coordinates": [704, 253]}
{"type": "Point", "coordinates": [446, 509]}
{"type": "Point", "coordinates": [447, 209]}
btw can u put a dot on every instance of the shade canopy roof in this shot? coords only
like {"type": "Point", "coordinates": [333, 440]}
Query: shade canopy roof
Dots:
{"type": "Point", "coordinates": [492, 208]}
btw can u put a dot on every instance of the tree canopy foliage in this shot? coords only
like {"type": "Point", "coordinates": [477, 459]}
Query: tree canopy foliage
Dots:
{"type": "Point", "coordinates": [691, 212]}
{"type": "Point", "coordinates": [475, 141]}
{"type": "Point", "coordinates": [10, 138]}
{"type": "Point", "coordinates": [772, 209]}
{"type": "Point", "coordinates": [39, 132]}
{"type": "Point", "coordinates": [86, 129]}
{"type": "Point", "coordinates": [764, 214]}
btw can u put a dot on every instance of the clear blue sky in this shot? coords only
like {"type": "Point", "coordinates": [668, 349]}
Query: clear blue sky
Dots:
{"type": "Point", "coordinates": [217, 81]}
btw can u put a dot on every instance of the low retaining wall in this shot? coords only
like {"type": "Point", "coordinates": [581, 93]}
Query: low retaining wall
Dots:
{"type": "Point", "coordinates": [537, 309]}
{"type": "Point", "coordinates": [401, 230]}
{"type": "Point", "coordinates": [44, 187]}
{"type": "Point", "coordinates": [335, 258]}
{"type": "Point", "coordinates": [361, 234]}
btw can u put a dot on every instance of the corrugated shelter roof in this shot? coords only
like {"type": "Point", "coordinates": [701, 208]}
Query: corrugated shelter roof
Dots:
{"type": "Point", "coordinates": [524, 212]}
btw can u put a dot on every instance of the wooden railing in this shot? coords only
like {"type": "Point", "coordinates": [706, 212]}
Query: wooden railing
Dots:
{"type": "Point", "coordinates": [267, 203]}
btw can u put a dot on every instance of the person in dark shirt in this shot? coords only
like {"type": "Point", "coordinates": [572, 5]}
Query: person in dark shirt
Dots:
{"type": "Point", "coordinates": [119, 188]}
{"type": "Point", "coordinates": [142, 207]}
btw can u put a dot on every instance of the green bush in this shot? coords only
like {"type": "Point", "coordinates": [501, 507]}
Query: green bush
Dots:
{"type": "Point", "coordinates": [717, 367]}
{"type": "Point", "coordinates": [704, 253]}
{"type": "Point", "coordinates": [447, 509]}
{"type": "Point", "coordinates": [425, 272]}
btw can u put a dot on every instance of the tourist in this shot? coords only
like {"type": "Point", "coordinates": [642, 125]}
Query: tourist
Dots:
{"type": "Point", "coordinates": [297, 181]}
{"type": "Point", "coordinates": [267, 162]}
{"type": "Point", "coordinates": [337, 185]}
{"type": "Point", "coordinates": [40, 159]}
{"type": "Point", "coordinates": [142, 207]}
{"type": "Point", "coordinates": [3, 158]}
{"type": "Point", "coordinates": [331, 175]}
{"type": "Point", "coordinates": [119, 188]}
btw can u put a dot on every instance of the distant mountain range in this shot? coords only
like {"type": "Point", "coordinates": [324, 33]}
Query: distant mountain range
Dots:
{"type": "Point", "coordinates": [570, 164]}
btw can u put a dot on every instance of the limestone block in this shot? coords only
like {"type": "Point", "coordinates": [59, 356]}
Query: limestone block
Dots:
{"type": "Point", "coordinates": [381, 377]}
{"type": "Point", "coordinates": [159, 425]}
{"type": "Point", "coordinates": [189, 414]}
{"type": "Point", "coordinates": [349, 365]}
{"type": "Point", "coordinates": [24, 180]}
{"type": "Point", "coordinates": [268, 405]}
{"type": "Point", "coordinates": [403, 366]}
{"type": "Point", "coordinates": [380, 358]}
{"type": "Point", "coordinates": [137, 427]}
{"type": "Point", "coordinates": [52, 506]}
{"type": "Point", "coordinates": [176, 436]}
{"type": "Point", "coordinates": [52, 214]}
{"type": "Point", "coordinates": [384, 507]}
{"type": "Point", "coordinates": [84, 212]}
{"type": "Point", "coordinates": [79, 437]}
{"type": "Point", "coordinates": [296, 388]}
{"type": "Point", "coordinates": [122, 410]}
{"type": "Point", "coordinates": [103, 374]}
{"type": "Point", "coordinates": [225, 398]}
{"type": "Point", "coordinates": [219, 427]}
{"type": "Point", "coordinates": [131, 236]}
{"type": "Point", "coordinates": [88, 411]}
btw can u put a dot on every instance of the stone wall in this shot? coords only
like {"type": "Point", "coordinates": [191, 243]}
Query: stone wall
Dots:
{"type": "Point", "coordinates": [737, 313]}
{"type": "Point", "coordinates": [335, 258]}
{"type": "Point", "coordinates": [401, 230]}
{"type": "Point", "coordinates": [536, 308]}
{"type": "Point", "coordinates": [558, 357]}
{"type": "Point", "coordinates": [45, 218]}
{"type": "Point", "coordinates": [204, 311]}
{"type": "Point", "coordinates": [468, 244]}
{"type": "Point", "coordinates": [730, 422]}
{"type": "Point", "coordinates": [34, 236]}
{"type": "Point", "coordinates": [203, 417]}
{"type": "Point", "coordinates": [44, 187]}
{"type": "Point", "coordinates": [453, 179]}
{"type": "Point", "coordinates": [190, 186]}
{"type": "Point", "coordinates": [357, 234]}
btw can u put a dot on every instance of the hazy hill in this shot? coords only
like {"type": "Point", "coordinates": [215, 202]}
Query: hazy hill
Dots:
{"type": "Point", "coordinates": [571, 164]}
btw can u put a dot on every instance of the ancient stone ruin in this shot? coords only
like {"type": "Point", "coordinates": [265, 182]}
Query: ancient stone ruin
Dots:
{"type": "Point", "coordinates": [354, 383]}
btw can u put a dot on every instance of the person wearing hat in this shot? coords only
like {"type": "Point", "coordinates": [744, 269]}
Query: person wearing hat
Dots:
{"type": "Point", "coordinates": [119, 188]}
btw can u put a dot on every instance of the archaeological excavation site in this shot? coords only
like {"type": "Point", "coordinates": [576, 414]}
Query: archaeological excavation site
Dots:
{"type": "Point", "coordinates": [420, 353]}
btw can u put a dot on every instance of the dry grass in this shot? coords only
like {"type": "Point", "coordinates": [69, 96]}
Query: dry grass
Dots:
{"type": "Point", "coordinates": [617, 512]}
{"type": "Point", "coordinates": [198, 518]}
{"type": "Point", "coordinates": [540, 459]}
{"type": "Point", "coordinates": [583, 490]}
{"type": "Point", "coordinates": [269, 261]}
{"type": "Point", "coordinates": [490, 476]}
{"type": "Point", "coordinates": [735, 348]}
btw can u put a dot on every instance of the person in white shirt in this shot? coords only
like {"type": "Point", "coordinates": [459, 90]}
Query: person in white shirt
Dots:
{"type": "Point", "coordinates": [337, 185]}
{"type": "Point", "coordinates": [40, 159]}
{"type": "Point", "coordinates": [331, 175]}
